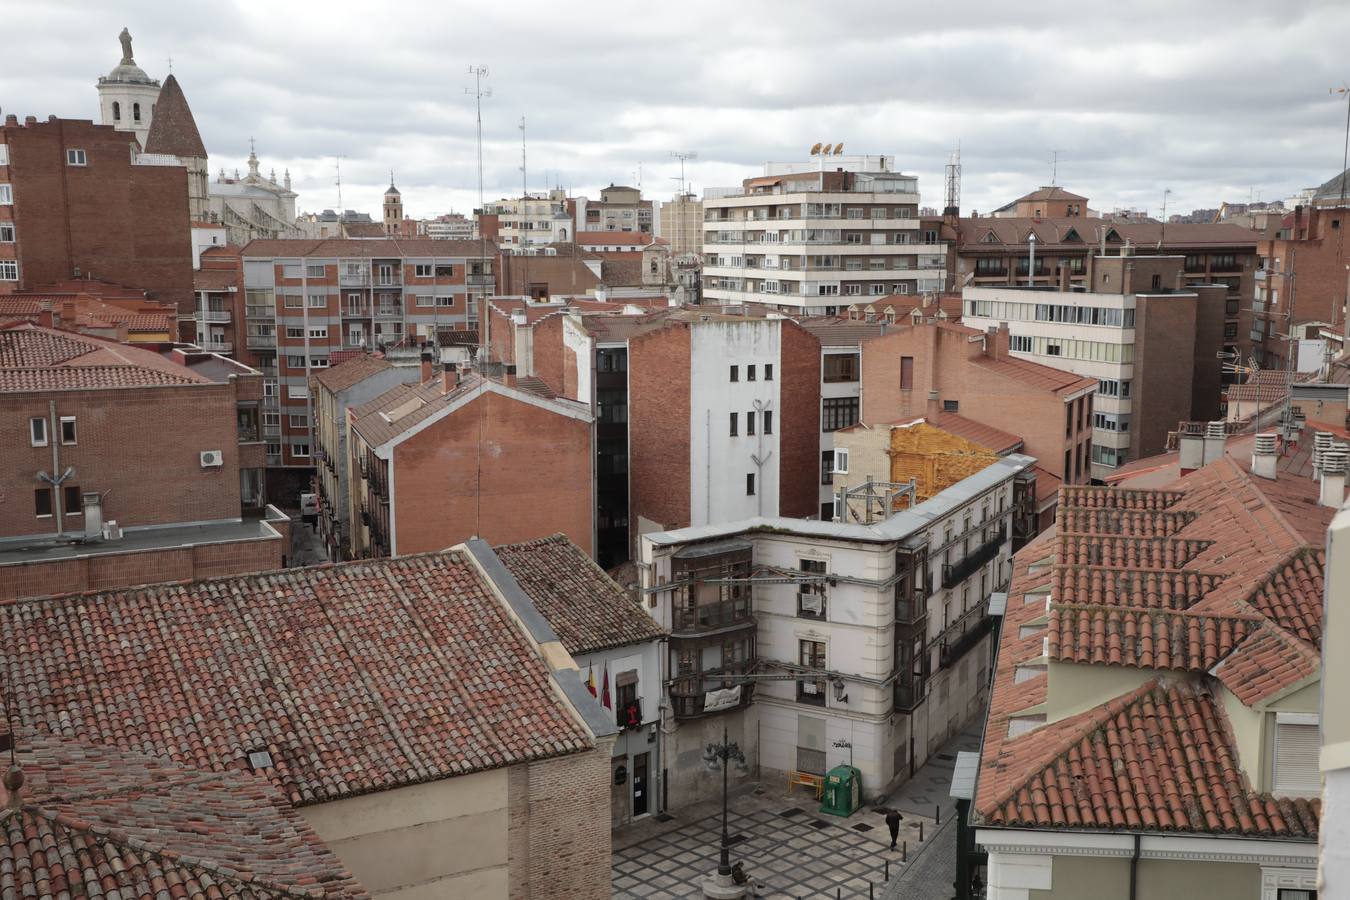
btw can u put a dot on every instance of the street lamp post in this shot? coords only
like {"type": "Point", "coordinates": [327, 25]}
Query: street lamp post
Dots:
{"type": "Point", "coordinates": [715, 756]}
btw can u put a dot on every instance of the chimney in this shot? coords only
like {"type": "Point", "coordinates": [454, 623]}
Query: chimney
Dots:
{"type": "Point", "coordinates": [1191, 446]}
{"type": "Point", "coordinates": [68, 310]}
{"type": "Point", "coordinates": [1265, 456]}
{"type": "Point", "coordinates": [1215, 437]}
{"type": "Point", "coordinates": [1064, 283]}
{"type": "Point", "coordinates": [45, 319]}
{"type": "Point", "coordinates": [1321, 443]}
{"type": "Point", "coordinates": [449, 378]}
{"type": "Point", "coordinates": [427, 370]}
{"type": "Point", "coordinates": [934, 408]}
{"type": "Point", "coordinates": [1335, 462]}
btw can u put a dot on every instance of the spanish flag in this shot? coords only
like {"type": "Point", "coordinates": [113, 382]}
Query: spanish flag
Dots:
{"type": "Point", "coordinates": [590, 679]}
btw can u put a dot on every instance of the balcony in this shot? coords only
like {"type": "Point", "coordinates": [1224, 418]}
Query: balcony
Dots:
{"type": "Point", "coordinates": [218, 347]}
{"type": "Point", "coordinates": [688, 693]}
{"type": "Point", "coordinates": [388, 281]}
{"type": "Point", "coordinates": [354, 279]}
{"type": "Point", "coordinates": [952, 575]}
{"type": "Point", "coordinates": [965, 632]}
{"type": "Point", "coordinates": [260, 312]}
{"type": "Point", "coordinates": [212, 315]}
{"type": "Point", "coordinates": [909, 693]}
{"type": "Point", "coordinates": [388, 312]}
{"type": "Point", "coordinates": [358, 312]}
{"type": "Point", "coordinates": [710, 616]}
{"type": "Point", "coordinates": [479, 280]}
{"type": "Point", "coordinates": [255, 341]}
{"type": "Point", "coordinates": [628, 715]}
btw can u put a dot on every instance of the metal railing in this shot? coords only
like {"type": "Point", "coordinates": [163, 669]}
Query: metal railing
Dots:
{"type": "Point", "coordinates": [260, 312]}
{"type": "Point", "coordinates": [712, 615]}
{"type": "Point", "coordinates": [688, 692]}
{"type": "Point", "coordinates": [212, 315]}
{"type": "Point", "coordinates": [956, 573]}
{"type": "Point", "coordinates": [260, 340]}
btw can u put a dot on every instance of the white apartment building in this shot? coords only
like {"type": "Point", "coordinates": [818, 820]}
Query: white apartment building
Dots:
{"type": "Point", "coordinates": [532, 220]}
{"type": "Point", "coordinates": [818, 236]}
{"type": "Point", "coordinates": [819, 643]}
{"type": "Point", "coordinates": [450, 227]}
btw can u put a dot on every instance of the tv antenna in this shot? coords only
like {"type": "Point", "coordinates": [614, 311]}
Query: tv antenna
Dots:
{"type": "Point", "coordinates": [484, 316]}
{"type": "Point", "coordinates": [1054, 167]}
{"type": "Point", "coordinates": [524, 179]}
{"type": "Point", "coordinates": [337, 167]}
{"type": "Point", "coordinates": [683, 155]}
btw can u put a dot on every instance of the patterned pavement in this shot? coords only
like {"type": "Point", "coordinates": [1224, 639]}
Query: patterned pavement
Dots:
{"type": "Point", "coordinates": [797, 855]}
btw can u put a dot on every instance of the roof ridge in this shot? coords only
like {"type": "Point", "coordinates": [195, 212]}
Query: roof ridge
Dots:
{"type": "Point", "coordinates": [1158, 610]}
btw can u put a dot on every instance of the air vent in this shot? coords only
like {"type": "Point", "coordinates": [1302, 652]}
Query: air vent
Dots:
{"type": "Point", "coordinates": [212, 459]}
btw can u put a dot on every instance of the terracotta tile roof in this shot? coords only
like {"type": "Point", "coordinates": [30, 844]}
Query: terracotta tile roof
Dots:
{"type": "Point", "coordinates": [400, 408]}
{"type": "Point", "coordinates": [621, 272]}
{"type": "Point", "coordinates": [1047, 485]}
{"type": "Point", "coordinates": [987, 436]}
{"type": "Point", "coordinates": [355, 677]}
{"type": "Point", "coordinates": [1265, 386]}
{"type": "Point", "coordinates": [582, 604]}
{"type": "Point", "coordinates": [350, 372]}
{"type": "Point", "coordinates": [363, 229]}
{"type": "Point", "coordinates": [456, 337]}
{"type": "Point", "coordinates": [95, 821]}
{"type": "Point", "coordinates": [604, 238]}
{"type": "Point", "coordinates": [173, 130]}
{"type": "Point", "coordinates": [1052, 232]}
{"type": "Point", "coordinates": [33, 358]}
{"type": "Point", "coordinates": [1208, 578]}
{"type": "Point", "coordinates": [832, 332]}
{"type": "Point", "coordinates": [1035, 374]}
{"type": "Point", "coordinates": [1159, 759]}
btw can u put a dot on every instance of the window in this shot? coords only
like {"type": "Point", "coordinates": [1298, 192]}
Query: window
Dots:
{"type": "Point", "coordinates": [1052, 349]}
{"type": "Point", "coordinates": [318, 301]}
{"type": "Point", "coordinates": [749, 373]}
{"type": "Point", "coordinates": [300, 450]}
{"type": "Point", "coordinates": [951, 406]}
{"type": "Point", "coordinates": [826, 468]}
{"type": "Point", "coordinates": [750, 422]}
{"type": "Point", "coordinates": [841, 460]}
{"type": "Point", "coordinates": [734, 429]}
{"type": "Point", "coordinates": [838, 412]}
{"type": "Point", "coordinates": [37, 432]}
{"type": "Point", "coordinates": [136, 111]}
{"type": "Point", "coordinates": [735, 373]}
{"type": "Point", "coordinates": [6, 194]}
{"type": "Point", "coordinates": [298, 421]}
{"type": "Point", "coordinates": [42, 502]}
{"type": "Point", "coordinates": [9, 270]}
{"type": "Point", "coordinates": [768, 371]}
{"type": "Point", "coordinates": [67, 429]}
{"type": "Point", "coordinates": [445, 301]}
{"type": "Point", "coordinates": [750, 484]}
{"type": "Point", "coordinates": [811, 594]}
{"type": "Point", "coordinates": [295, 362]}
{"type": "Point", "coordinates": [272, 449]}
{"type": "Point", "coordinates": [840, 367]}
{"type": "Point", "coordinates": [295, 332]}
{"type": "Point", "coordinates": [6, 232]}
{"type": "Point", "coordinates": [906, 373]}
{"type": "Point", "coordinates": [423, 270]}
{"type": "Point", "coordinates": [811, 656]}
{"type": "Point", "coordinates": [318, 331]}
{"type": "Point", "coordinates": [768, 421]}
{"type": "Point", "coordinates": [72, 502]}
{"type": "Point", "coordinates": [76, 158]}
{"type": "Point", "coordinates": [424, 300]}
{"type": "Point", "coordinates": [293, 301]}
{"type": "Point", "coordinates": [297, 392]}
{"type": "Point", "coordinates": [117, 111]}
{"type": "Point", "coordinates": [314, 270]}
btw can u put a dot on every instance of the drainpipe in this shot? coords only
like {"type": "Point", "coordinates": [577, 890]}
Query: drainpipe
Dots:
{"type": "Point", "coordinates": [54, 438]}
{"type": "Point", "coordinates": [1134, 868]}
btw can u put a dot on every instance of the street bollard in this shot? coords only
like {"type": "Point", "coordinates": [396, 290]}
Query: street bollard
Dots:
{"type": "Point", "coordinates": [937, 815]}
{"type": "Point", "coordinates": [838, 894]}
{"type": "Point", "coordinates": [904, 851]}
{"type": "Point", "coordinates": [920, 832]}
{"type": "Point", "coordinates": [870, 895]}
{"type": "Point", "coordinates": [888, 870]}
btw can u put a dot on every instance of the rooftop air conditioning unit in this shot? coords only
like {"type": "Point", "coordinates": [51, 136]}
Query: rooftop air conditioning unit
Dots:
{"type": "Point", "coordinates": [212, 459]}
{"type": "Point", "coordinates": [112, 531]}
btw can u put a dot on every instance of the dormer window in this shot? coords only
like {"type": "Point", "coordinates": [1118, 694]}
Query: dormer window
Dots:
{"type": "Point", "coordinates": [1294, 772]}
{"type": "Point", "coordinates": [260, 758]}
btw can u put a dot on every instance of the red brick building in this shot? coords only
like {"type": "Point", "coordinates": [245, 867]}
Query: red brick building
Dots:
{"type": "Point", "coordinates": [435, 463]}
{"type": "Point", "coordinates": [127, 465]}
{"type": "Point", "coordinates": [79, 199]}
{"type": "Point", "coordinates": [939, 367]}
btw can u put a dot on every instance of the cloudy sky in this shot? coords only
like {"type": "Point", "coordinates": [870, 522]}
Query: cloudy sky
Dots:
{"type": "Point", "coordinates": [1214, 100]}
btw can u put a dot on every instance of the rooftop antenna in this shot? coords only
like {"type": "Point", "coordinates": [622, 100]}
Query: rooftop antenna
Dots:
{"type": "Point", "coordinates": [484, 317]}
{"type": "Point", "coordinates": [1162, 233]}
{"type": "Point", "coordinates": [524, 179]}
{"type": "Point", "coordinates": [337, 167]}
{"type": "Point", "coordinates": [1344, 91]}
{"type": "Point", "coordinates": [953, 204]}
{"type": "Point", "coordinates": [170, 64]}
{"type": "Point", "coordinates": [1054, 167]}
{"type": "Point", "coordinates": [683, 155]}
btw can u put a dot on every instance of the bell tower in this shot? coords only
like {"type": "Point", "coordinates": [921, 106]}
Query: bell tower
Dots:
{"type": "Point", "coordinates": [393, 208]}
{"type": "Point", "coordinates": [126, 95]}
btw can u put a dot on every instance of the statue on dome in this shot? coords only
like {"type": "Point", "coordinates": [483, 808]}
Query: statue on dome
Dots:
{"type": "Point", "coordinates": [125, 38]}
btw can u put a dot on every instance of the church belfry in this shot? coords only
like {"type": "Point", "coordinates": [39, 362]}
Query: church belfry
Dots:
{"type": "Point", "coordinates": [393, 208]}
{"type": "Point", "coordinates": [127, 96]}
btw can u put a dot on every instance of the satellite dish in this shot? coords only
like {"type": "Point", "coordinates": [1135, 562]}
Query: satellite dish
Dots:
{"type": "Point", "coordinates": [826, 150]}
{"type": "Point", "coordinates": [838, 148]}
{"type": "Point", "coordinates": [815, 150]}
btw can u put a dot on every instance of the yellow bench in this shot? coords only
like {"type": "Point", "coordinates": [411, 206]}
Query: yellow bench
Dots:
{"type": "Point", "coordinates": [806, 778]}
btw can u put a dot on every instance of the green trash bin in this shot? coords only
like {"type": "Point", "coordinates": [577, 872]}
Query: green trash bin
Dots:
{"type": "Point", "coordinates": [843, 791]}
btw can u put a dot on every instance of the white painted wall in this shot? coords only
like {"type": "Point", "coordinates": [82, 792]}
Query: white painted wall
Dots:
{"type": "Point", "coordinates": [579, 346]}
{"type": "Point", "coordinates": [718, 462]}
{"type": "Point", "coordinates": [644, 658]}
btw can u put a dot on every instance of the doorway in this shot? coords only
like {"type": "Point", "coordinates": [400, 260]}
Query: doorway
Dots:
{"type": "Point", "coordinates": [640, 764]}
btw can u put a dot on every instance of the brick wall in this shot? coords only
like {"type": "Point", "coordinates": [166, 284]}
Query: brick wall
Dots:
{"type": "Point", "coordinates": [658, 427]}
{"type": "Point", "coordinates": [109, 219]}
{"type": "Point", "coordinates": [558, 827]}
{"type": "Point", "coordinates": [114, 570]}
{"type": "Point", "coordinates": [140, 447]}
{"type": "Point", "coordinates": [1207, 369]}
{"type": "Point", "coordinates": [1164, 362]}
{"type": "Point", "coordinates": [548, 355]}
{"type": "Point", "coordinates": [501, 337]}
{"type": "Point", "coordinates": [536, 477]}
{"type": "Point", "coordinates": [799, 423]}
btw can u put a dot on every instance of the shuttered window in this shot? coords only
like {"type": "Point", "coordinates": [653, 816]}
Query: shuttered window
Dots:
{"type": "Point", "coordinates": [1296, 749]}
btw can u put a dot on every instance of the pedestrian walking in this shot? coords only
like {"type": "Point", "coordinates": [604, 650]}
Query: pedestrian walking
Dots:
{"type": "Point", "coordinates": [893, 818]}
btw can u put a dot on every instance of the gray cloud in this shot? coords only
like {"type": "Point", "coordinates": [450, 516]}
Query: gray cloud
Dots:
{"type": "Point", "coordinates": [1210, 99]}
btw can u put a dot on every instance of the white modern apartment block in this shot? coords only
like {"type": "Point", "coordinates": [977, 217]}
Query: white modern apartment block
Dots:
{"type": "Point", "coordinates": [1334, 858]}
{"type": "Point", "coordinates": [817, 236]}
{"type": "Point", "coordinates": [821, 643]}
{"type": "Point", "coordinates": [532, 220]}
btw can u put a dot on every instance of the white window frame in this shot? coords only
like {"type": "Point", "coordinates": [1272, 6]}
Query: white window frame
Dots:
{"type": "Point", "coordinates": [75, 434]}
{"type": "Point", "coordinates": [424, 270]}
{"type": "Point", "coordinates": [303, 423]}
{"type": "Point", "coordinates": [34, 438]}
{"type": "Point", "coordinates": [9, 270]}
{"type": "Point", "coordinates": [1297, 733]}
{"type": "Point", "coordinates": [7, 228]}
{"type": "Point", "coordinates": [310, 273]}
{"type": "Point", "coordinates": [318, 331]}
{"type": "Point", "coordinates": [841, 460]}
{"type": "Point", "coordinates": [318, 301]}
{"type": "Point", "coordinates": [4, 154]}
{"type": "Point", "coordinates": [297, 392]}
{"type": "Point", "coordinates": [296, 332]}
{"type": "Point", "coordinates": [6, 195]}
{"type": "Point", "coordinates": [296, 450]}
{"type": "Point", "coordinates": [76, 157]}
{"type": "Point", "coordinates": [424, 301]}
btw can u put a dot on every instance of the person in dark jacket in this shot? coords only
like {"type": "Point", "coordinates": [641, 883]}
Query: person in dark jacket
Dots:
{"type": "Point", "coordinates": [893, 818]}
